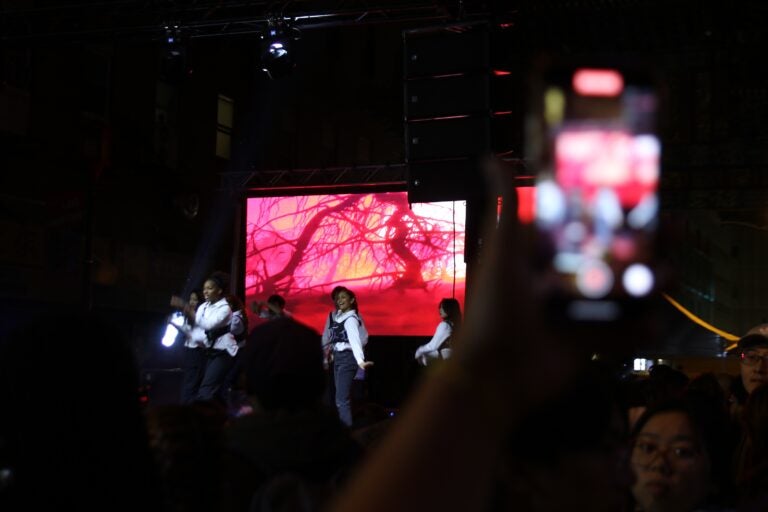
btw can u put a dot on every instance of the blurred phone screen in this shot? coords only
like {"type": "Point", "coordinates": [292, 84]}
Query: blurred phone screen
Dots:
{"type": "Point", "coordinates": [597, 193]}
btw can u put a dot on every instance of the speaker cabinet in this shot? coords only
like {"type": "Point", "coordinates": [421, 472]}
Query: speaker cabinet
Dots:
{"type": "Point", "coordinates": [446, 49]}
{"type": "Point", "coordinates": [446, 105]}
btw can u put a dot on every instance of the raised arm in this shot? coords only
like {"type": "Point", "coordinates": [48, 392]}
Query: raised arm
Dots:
{"type": "Point", "coordinates": [180, 304]}
{"type": "Point", "coordinates": [236, 325]}
{"type": "Point", "coordinates": [442, 450]}
{"type": "Point", "coordinates": [326, 338]}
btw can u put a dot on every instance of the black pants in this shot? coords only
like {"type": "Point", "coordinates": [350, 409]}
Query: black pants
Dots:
{"type": "Point", "coordinates": [194, 368]}
{"type": "Point", "coordinates": [344, 371]}
{"type": "Point", "coordinates": [218, 363]}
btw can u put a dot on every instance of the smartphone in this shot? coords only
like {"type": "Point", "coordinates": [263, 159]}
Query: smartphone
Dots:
{"type": "Point", "coordinates": [597, 204]}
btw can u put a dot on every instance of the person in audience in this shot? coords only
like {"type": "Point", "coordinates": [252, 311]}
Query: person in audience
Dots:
{"type": "Point", "coordinates": [272, 308]}
{"type": "Point", "coordinates": [753, 353]}
{"type": "Point", "coordinates": [570, 453]}
{"type": "Point", "coordinates": [291, 449]}
{"type": "Point", "coordinates": [72, 434]}
{"type": "Point", "coordinates": [634, 397]}
{"type": "Point", "coordinates": [709, 385]}
{"type": "Point", "coordinates": [681, 453]}
{"type": "Point", "coordinates": [439, 346]}
{"type": "Point", "coordinates": [668, 383]}
{"type": "Point", "coordinates": [343, 334]}
{"type": "Point", "coordinates": [732, 388]}
{"type": "Point", "coordinates": [187, 444]}
{"type": "Point", "coordinates": [508, 361]}
{"type": "Point", "coordinates": [663, 384]}
{"type": "Point", "coordinates": [752, 454]}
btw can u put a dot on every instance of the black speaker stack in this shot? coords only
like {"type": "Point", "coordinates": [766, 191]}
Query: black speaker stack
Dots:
{"type": "Point", "coordinates": [447, 109]}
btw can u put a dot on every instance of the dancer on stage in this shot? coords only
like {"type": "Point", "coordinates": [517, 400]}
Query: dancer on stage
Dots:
{"type": "Point", "coordinates": [271, 309]}
{"type": "Point", "coordinates": [344, 334]}
{"type": "Point", "coordinates": [212, 324]}
{"type": "Point", "coordinates": [194, 349]}
{"type": "Point", "coordinates": [439, 346]}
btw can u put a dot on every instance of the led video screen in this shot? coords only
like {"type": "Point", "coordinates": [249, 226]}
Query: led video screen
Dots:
{"type": "Point", "coordinates": [399, 259]}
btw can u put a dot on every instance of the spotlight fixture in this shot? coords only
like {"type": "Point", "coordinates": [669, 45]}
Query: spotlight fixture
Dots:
{"type": "Point", "coordinates": [173, 42]}
{"type": "Point", "coordinates": [277, 59]}
{"type": "Point", "coordinates": [174, 53]}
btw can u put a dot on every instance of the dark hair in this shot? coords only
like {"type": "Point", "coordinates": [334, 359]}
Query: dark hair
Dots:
{"type": "Point", "coordinates": [663, 384]}
{"type": "Point", "coordinates": [452, 309]}
{"type": "Point", "coordinates": [235, 304]}
{"type": "Point", "coordinates": [707, 385]}
{"type": "Point", "coordinates": [221, 279]}
{"type": "Point", "coordinates": [277, 300]}
{"type": "Point", "coordinates": [336, 291]}
{"type": "Point", "coordinates": [283, 365]}
{"type": "Point", "coordinates": [712, 427]}
{"type": "Point", "coordinates": [591, 400]}
{"type": "Point", "coordinates": [74, 467]}
{"type": "Point", "coordinates": [755, 420]}
{"type": "Point", "coordinates": [198, 292]}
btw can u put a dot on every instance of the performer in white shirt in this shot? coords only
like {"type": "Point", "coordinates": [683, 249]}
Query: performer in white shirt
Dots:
{"type": "Point", "coordinates": [211, 329]}
{"type": "Point", "coordinates": [194, 350]}
{"type": "Point", "coordinates": [439, 346]}
{"type": "Point", "coordinates": [344, 334]}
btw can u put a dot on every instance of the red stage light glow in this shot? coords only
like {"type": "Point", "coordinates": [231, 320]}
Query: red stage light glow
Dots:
{"type": "Point", "coordinates": [598, 82]}
{"type": "Point", "coordinates": [526, 204]}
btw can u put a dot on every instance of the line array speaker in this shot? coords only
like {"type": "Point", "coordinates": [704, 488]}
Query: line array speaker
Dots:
{"type": "Point", "coordinates": [447, 109]}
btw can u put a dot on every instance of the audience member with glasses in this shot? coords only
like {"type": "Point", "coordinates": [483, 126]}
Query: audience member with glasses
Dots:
{"type": "Point", "coordinates": [753, 352]}
{"type": "Point", "coordinates": [680, 455]}
{"type": "Point", "coordinates": [752, 454]}
{"type": "Point", "coordinates": [751, 468]}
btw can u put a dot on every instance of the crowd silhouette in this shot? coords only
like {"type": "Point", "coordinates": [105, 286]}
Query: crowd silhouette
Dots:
{"type": "Point", "coordinates": [520, 416]}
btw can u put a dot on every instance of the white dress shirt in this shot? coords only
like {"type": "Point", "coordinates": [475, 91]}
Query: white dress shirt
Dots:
{"type": "Point", "coordinates": [431, 349]}
{"type": "Point", "coordinates": [210, 316]}
{"type": "Point", "coordinates": [237, 327]}
{"type": "Point", "coordinates": [357, 334]}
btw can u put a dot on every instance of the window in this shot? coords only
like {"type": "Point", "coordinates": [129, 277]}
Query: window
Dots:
{"type": "Point", "coordinates": [225, 115]}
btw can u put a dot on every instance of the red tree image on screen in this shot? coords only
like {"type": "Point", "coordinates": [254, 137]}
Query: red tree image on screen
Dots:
{"type": "Point", "coordinates": [398, 262]}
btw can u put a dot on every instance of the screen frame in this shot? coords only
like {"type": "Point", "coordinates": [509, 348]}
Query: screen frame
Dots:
{"type": "Point", "coordinates": [362, 189]}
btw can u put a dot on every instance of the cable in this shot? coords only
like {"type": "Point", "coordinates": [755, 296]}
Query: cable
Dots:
{"type": "Point", "coordinates": [453, 221]}
{"type": "Point", "coordinates": [728, 336]}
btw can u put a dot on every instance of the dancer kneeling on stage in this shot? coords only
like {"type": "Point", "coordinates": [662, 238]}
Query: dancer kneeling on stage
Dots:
{"type": "Point", "coordinates": [439, 346]}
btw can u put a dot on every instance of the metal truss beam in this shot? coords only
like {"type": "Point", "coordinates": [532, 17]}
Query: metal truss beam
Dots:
{"type": "Point", "coordinates": [137, 19]}
{"type": "Point", "coordinates": [277, 180]}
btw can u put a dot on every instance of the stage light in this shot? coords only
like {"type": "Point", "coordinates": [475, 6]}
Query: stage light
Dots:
{"type": "Point", "coordinates": [171, 330]}
{"type": "Point", "coordinates": [642, 365]}
{"type": "Point", "coordinates": [638, 280]}
{"type": "Point", "coordinates": [174, 52]}
{"type": "Point", "coordinates": [277, 52]}
{"type": "Point", "coordinates": [598, 82]}
{"type": "Point", "coordinates": [173, 41]}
